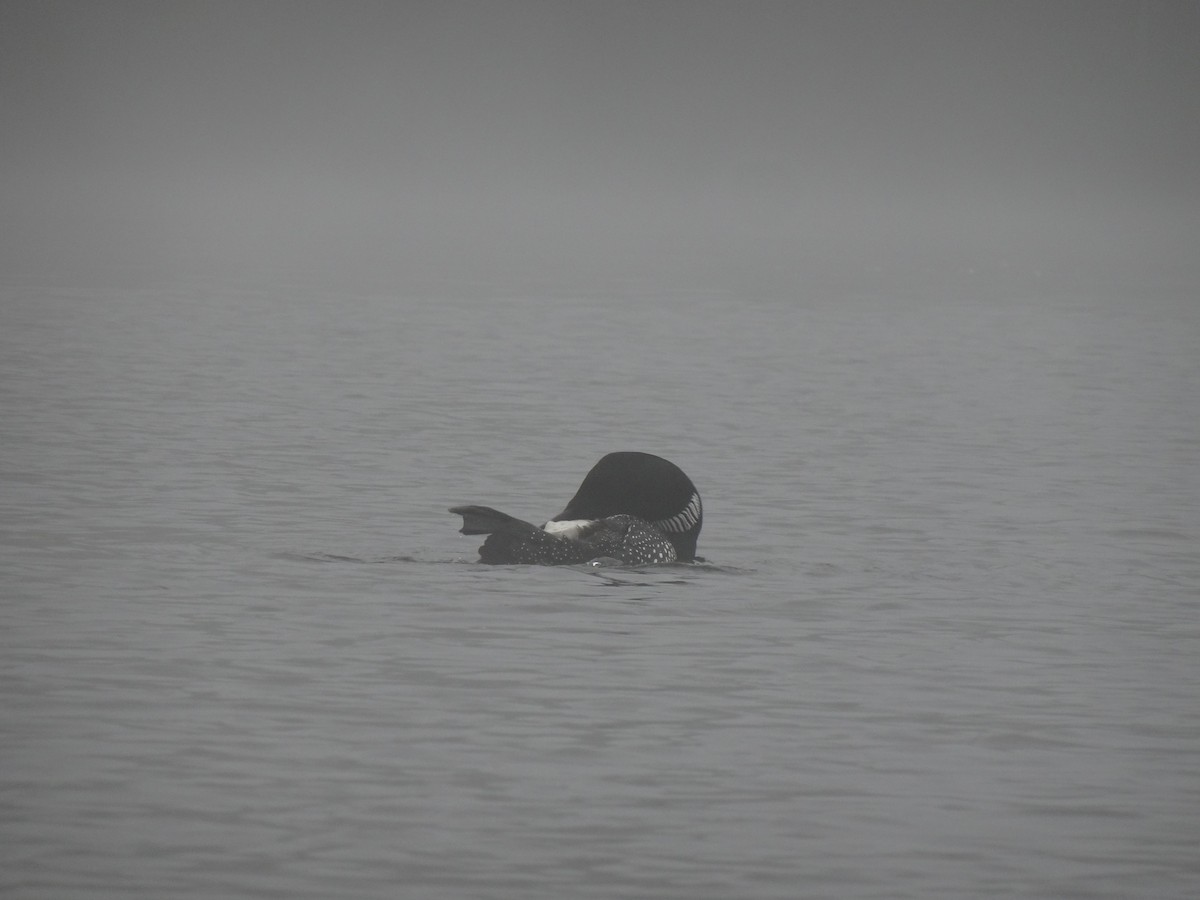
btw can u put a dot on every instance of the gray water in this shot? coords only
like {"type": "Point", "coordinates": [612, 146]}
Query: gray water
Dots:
{"type": "Point", "coordinates": [945, 643]}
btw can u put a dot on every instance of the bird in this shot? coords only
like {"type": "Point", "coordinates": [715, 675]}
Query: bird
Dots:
{"type": "Point", "coordinates": [633, 508]}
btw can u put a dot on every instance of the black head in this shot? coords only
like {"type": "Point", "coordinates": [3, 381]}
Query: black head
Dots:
{"type": "Point", "coordinates": [646, 486]}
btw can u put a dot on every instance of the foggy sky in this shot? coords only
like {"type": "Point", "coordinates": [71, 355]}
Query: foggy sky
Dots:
{"type": "Point", "coordinates": [683, 143]}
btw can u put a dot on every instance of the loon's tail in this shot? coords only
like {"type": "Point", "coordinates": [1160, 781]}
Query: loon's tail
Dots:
{"type": "Point", "coordinates": [485, 520]}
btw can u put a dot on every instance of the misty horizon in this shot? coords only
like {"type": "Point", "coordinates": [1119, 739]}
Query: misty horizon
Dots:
{"type": "Point", "coordinates": [680, 144]}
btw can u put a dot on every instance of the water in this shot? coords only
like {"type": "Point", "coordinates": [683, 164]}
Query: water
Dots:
{"type": "Point", "coordinates": [946, 642]}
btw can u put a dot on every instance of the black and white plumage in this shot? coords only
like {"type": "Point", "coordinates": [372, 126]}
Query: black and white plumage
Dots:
{"type": "Point", "coordinates": [635, 508]}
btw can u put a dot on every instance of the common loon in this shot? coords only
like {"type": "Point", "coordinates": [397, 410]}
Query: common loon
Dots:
{"type": "Point", "coordinates": [635, 508]}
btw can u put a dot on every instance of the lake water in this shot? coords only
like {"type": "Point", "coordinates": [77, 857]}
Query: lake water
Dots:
{"type": "Point", "coordinates": [946, 642]}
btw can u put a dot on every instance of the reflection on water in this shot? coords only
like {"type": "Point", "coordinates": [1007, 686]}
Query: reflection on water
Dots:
{"type": "Point", "coordinates": [943, 646]}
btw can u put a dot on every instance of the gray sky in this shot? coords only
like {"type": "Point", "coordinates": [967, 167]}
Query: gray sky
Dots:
{"type": "Point", "coordinates": [680, 144]}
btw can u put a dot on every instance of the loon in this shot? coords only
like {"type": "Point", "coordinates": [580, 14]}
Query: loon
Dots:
{"type": "Point", "coordinates": [634, 508]}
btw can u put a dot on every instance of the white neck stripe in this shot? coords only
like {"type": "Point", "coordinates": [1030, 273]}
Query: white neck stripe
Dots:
{"type": "Point", "coordinates": [685, 520]}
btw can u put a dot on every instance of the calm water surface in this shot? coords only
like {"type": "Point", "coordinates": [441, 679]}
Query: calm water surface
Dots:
{"type": "Point", "coordinates": [946, 643]}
